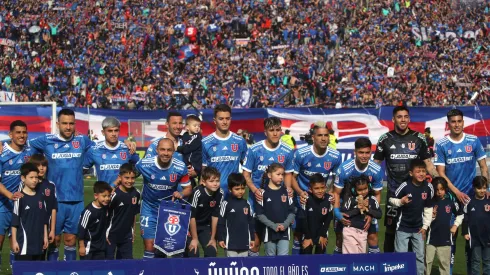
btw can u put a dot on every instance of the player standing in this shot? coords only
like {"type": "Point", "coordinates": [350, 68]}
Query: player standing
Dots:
{"type": "Point", "coordinates": [309, 160]}
{"type": "Point", "coordinates": [354, 168]}
{"type": "Point", "coordinates": [175, 124]}
{"type": "Point", "coordinates": [223, 149]}
{"type": "Point", "coordinates": [161, 176]}
{"type": "Point", "coordinates": [259, 156]}
{"type": "Point", "coordinates": [109, 155]}
{"type": "Point", "coordinates": [456, 157]}
{"type": "Point", "coordinates": [398, 148]}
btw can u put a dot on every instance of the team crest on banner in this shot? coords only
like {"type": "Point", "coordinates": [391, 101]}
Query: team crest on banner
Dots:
{"type": "Point", "coordinates": [75, 144]}
{"type": "Point", "coordinates": [284, 198]}
{"type": "Point", "coordinates": [245, 210]}
{"type": "Point", "coordinates": [468, 148]}
{"type": "Point", "coordinates": [411, 146]}
{"type": "Point", "coordinates": [280, 158]}
{"type": "Point", "coordinates": [487, 207]}
{"type": "Point", "coordinates": [47, 192]}
{"type": "Point", "coordinates": [173, 177]}
{"type": "Point", "coordinates": [327, 165]}
{"type": "Point", "coordinates": [424, 196]}
{"type": "Point", "coordinates": [123, 155]}
{"type": "Point", "coordinates": [212, 203]}
{"type": "Point", "coordinates": [234, 147]}
{"type": "Point", "coordinates": [324, 211]}
{"type": "Point", "coordinates": [134, 200]}
{"type": "Point", "coordinates": [172, 227]}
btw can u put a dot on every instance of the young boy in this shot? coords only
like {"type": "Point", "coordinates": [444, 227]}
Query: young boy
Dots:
{"type": "Point", "coordinates": [441, 232]}
{"type": "Point", "coordinates": [414, 197]}
{"type": "Point", "coordinates": [358, 203]}
{"type": "Point", "coordinates": [93, 224]}
{"type": "Point", "coordinates": [124, 206]}
{"type": "Point", "coordinates": [48, 190]}
{"type": "Point", "coordinates": [206, 200]}
{"type": "Point", "coordinates": [29, 221]}
{"type": "Point", "coordinates": [314, 217]}
{"type": "Point", "coordinates": [236, 226]}
{"type": "Point", "coordinates": [192, 145]}
{"type": "Point", "coordinates": [476, 225]}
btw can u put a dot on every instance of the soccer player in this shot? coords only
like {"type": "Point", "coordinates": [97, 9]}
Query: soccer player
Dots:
{"type": "Point", "coordinates": [354, 168]}
{"type": "Point", "coordinates": [259, 156]}
{"type": "Point", "coordinates": [161, 176]}
{"type": "Point", "coordinates": [175, 124]}
{"type": "Point", "coordinates": [14, 154]}
{"type": "Point", "coordinates": [223, 149]}
{"type": "Point", "coordinates": [109, 155]}
{"type": "Point", "coordinates": [124, 206]}
{"type": "Point", "coordinates": [309, 160]}
{"type": "Point", "coordinates": [398, 148]}
{"type": "Point", "coordinates": [455, 158]}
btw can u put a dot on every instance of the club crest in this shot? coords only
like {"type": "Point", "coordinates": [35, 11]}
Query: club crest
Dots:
{"type": "Point", "coordinates": [173, 177]}
{"type": "Point", "coordinates": [448, 209]}
{"type": "Point", "coordinates": [75, 144]}
{"type": "Point", "coordinates": [411, 146]}
{"type": "Point", "coordinates": [324, 211]}
{"type": "Point", "coordinates": [234, 147]}
{"type": "Point", "coordinates": [104, 156]}
{"type": "Point", "coordinates": [152, 177]}
{"type": "Point", "coordinates": [123, 155]}
{"type": "Point", "coordinates": [26, 158]}
{"type": "Point", "coordinates": [172, 226]}
{"type": "Point", "coordinates": [134, 200]}
{"type": "Point", "coordinates": [280, 158]}
{"type": "Point", "coordinates": [468, 148]}
{"type": "Point", "coordinates": [47, 192]}
{"type": "Point", "coordinates": [284, 198]}
{"type": "Point", "coordinates": [424, 196]}
{"type": "Point", "coordinates": [40, 205]}
{"type": "Point", "coordinates": [245, 211]}
{"type": "Point", "coordinates": [11, 162]}
{"type": "Point", "coordinates": [327, 165]}
{"type": "Point", "coordinates": [56, 146]}
{"type": "Point", "coordinates": [487, 207]}
{"type": "Point", "coordinates": [212, 203]}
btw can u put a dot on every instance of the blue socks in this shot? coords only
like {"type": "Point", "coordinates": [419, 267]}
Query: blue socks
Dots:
{"type": "Point", "coordinates": [70, 253]}
{"type": "Point", "coordinates": [148, 255]}
{"type": "Point", "coordinates": [53, 254]}
{"type": "Point", "coordinates": [296, 248]}
{"type": "Point", "coordinates": [373, 249]}
{"type": "Point", "coordinates": [253, 254]}
{"type": "Point", "coordinates": [337, 250]}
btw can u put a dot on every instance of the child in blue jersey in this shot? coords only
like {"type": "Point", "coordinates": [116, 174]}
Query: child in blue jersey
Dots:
{"type": "Point", "coordinates": [276, 211]}
{"type": "Point", "coordinates": [441, 232]}
{"type": "Point", "coordinates": [48, 190]}
{"type": "Point", "coordinates": [476, 226]}
{"type": "Point", "coordinates": [29, 221]}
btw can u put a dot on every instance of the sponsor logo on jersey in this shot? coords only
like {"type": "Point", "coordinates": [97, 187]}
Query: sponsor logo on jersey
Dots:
{"type": "Point", "coordinates": [459, 160]}
{"type": "Point", "coordinates": [224, 158]}
{"type": "Point", "coordinates": [172, 226]}
{"type": "Point", "coordinates": [75, 144]}
{"type": "Point", "coordinates": [403, 156]}
{"type": "Point", "coordinates": [123, 155]}
{"type": "Point", "coordinates": [109, 167]}
{"type": "Point", "coordinates": [65, 155]}
{"type": "Point", "coordinates": [411, 146]}
{"type": "Point", "coordinates": [468, 148]}
{"type": "Point", "coordinates": [245, 210]}
{"type": "Point", "coordinates": [12, 173]}
{"type": "Point", "coordinates": [234, 147]}
{"type": "Point", "coordinates": [173, 177]}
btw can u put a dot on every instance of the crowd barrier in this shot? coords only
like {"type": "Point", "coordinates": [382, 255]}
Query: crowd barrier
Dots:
{"type": "Point", "coordinates": [385, 263]}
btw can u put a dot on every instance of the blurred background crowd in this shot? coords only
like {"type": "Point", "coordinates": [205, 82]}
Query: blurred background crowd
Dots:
{"type": "Point", "coordinates": [180, 54]}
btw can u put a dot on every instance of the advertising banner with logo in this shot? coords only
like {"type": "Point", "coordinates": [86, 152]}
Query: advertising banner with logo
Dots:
{"type": "Point", "coordinates": [172, 226]}
{"type": "Point", "coordinates": [385, 263]}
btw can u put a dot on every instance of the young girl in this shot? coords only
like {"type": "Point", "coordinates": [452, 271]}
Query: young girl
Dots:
{"type": "Point", "coordinates": [357, 205]}
{"type": "Point", "coordinates": [476, 225]}
{"type": "Point", "coordinates": [276, 211]}
{"type": "Point", "coordinates": [440, 234]}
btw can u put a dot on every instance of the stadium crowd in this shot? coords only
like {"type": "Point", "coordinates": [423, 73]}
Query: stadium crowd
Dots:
{"type": "Point", "coordinates": [177, 54]}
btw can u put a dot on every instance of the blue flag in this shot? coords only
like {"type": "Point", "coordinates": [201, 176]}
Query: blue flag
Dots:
{"type": "Point", "coordinates": [172, 227]}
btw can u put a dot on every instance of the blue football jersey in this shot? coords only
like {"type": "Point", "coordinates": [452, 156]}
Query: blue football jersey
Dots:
{"type": "Point", "coordinates": [10, 163]}
{"type": "Point", "coordinates": [65, 163]}
{"type": "Point", "coordinates": [224, 154]}
{"type": "Point", "coordinates": [108, 160]}
{"type": "Point", "coordinates": [349, 170]}
{"type": "Point", "coordinates": [259, 157]}
{"type": "Point", "coordinates": [158, 182]}
{"type": "Point", "coordinates": [460, 160]}
{"type": "Point", "coordinates": [308, 163]}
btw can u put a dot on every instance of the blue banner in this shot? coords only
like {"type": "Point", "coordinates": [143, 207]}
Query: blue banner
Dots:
{"type": "Point", "coordinates": [172, 227]}
{"type": "Point", "coordinates": [385, 263]}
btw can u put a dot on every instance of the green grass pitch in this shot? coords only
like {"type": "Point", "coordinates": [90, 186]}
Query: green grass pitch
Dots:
{"type": "Point", "coordinates": [459, 268]}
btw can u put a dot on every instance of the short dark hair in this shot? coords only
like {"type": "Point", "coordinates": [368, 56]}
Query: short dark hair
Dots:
{"type": "Point", "coordinates": [362, 143]}
{"type": "Point", "coordinates": [454, 112]}
{"type": "Point", "coordinates": [272, 122]}
{"type": "Point", "coordinates": [66, 112]}
{"type": "Point", "coordinates": [101, 187]}
{"type": "Point", "coordinates": [208, 172]}
{"type": "Point", "coordinates": [417, 163]}
{"type": "Point", "coordinates": [26, 168]}
{"type": "Point", "coordinates": [17, 123]}
{"type": "Point", "coordinates": [221, 108]}
{"type": "Point", "coordinates": [191, 118]}
{"type": "Point", "coordinates": [127, 168]}
{"type": "Point", "coordinates": [236, 179]}
{"type": "Point", "coordinates": [173, 113]}
{"type": "Point", "coordinates": [480, 182]}
{"type": "Point", "coordinates": [399, 109]}
{"type": "Point", "coordinates": [316, 178]}
{"type": "Point", "coordinates": [38, 159]}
